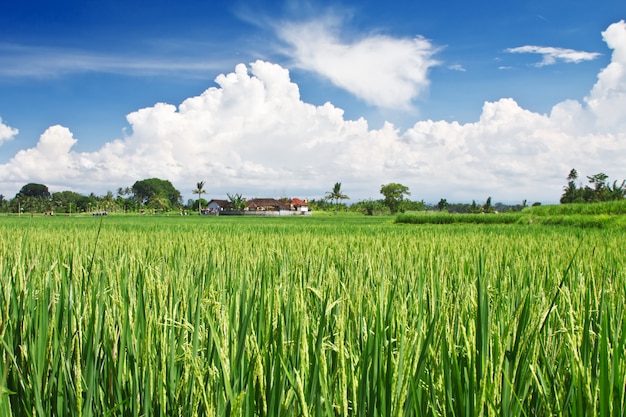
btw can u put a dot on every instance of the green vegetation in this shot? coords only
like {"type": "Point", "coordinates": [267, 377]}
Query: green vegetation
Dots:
{"type": "Point", "coordinates": [599, 215]}
{"type": "Point", "coordinates": [318, 316]}
{"type": "Point", "coordinates": [157, 194]}
{"type": "Point", "coordinates": [599, 189]}
{"type": "Point", "coordinates": [451, 218]}
{"type": "Point", "coordinates": [395, 196]}
{"type": "Point", "coordinates": [199, 190]}
{"type": "Point", "coordinates": [336, 194]}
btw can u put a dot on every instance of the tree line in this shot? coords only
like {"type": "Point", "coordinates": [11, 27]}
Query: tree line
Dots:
{"type": "Point", "coordinates": [149, 194]}
{"type": "Point", "coordinates": [160, 195]}
{"type": "Point", "coordinates": [599, 189]}
{"type": "Point", "coordinates": [395, 200]}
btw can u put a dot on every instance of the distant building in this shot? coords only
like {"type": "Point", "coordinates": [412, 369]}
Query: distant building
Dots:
{"type": "Point", "coordinates": [215, 206]}
{"type": "Point", "coordinates": [299, 205]}
{"type": "Point", "coordinates": [260, 207]}
{"type": "Point", "coordinates": [267, 204]}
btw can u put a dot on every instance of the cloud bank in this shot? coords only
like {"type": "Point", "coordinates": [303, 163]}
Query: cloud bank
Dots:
{"type": "Point", "coordinates": [253, 134]}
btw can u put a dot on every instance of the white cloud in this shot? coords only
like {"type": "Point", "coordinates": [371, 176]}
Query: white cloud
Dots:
{"type": "Point", "coordinates": [551, 55]}
{"type": "Point", "coordinates": [607, 99]}
{"type": "Point", "coordinates": [381, 70]}
{"type": "Point", "coordinates": [31, 61]}
{"type": "Point", "coordinates": [6, 132]}
{"type": "Point", "coordinates": [457, 67]}
{"type": "Point", "coordinates": [253, 134]}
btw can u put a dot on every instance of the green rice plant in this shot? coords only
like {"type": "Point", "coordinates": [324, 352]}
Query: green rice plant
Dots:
{"type": "Point", "coordinates": [318, 317]}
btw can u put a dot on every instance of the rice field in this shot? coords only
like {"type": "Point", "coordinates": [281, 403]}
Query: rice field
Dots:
{"type": "Point", "coordinates": [320, 316]}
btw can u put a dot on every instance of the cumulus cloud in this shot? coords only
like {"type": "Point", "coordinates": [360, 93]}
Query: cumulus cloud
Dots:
{"type": "Point", "coordinates": [6, 132]}
{"type": "Point", "coordinates": [252, 133]}
{"type": "Point", "coordinates": [381, 70]}
{"type": "Point", "coordinates": [551, 55]}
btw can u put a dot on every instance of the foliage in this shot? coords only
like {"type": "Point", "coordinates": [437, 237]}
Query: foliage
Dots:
{"type": "Point", "coordinates": [394, 196]}
{"type": "Point", "coordinates": [197, 204]}
{"type": "Point", "coordinates": [599, 189]}
{"type": "Point", "coordinates": [69, 201]}
{"type": "Point", "coordinates": [329, 316]}
{"type": "Point", "coordinates": [156, 193]}
{"type": "Point", "coordinates": [326, 205]}
{"type": "Point", "coordinates": [237, 201]}
{"type": "Point", "coordinates": [336, 194]}
{"type": "Point", "coordinates": [199, 190]}
{"type": "Point", "coordinates": [370, 207]}
{"type": "Point", "coordinates": [596, 215]}
{"type": "Point", "coordinates": [33, 190]}
{"type": "Point", "coordinates": [448, 218]}
{"type": "Point", "coordinates": [487, 207]}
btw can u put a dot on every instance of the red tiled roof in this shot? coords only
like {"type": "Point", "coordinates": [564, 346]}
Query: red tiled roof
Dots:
{"type": "Point", "coordinates": [298, 202]}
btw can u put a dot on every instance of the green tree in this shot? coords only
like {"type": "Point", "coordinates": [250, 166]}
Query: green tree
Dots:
{"type": "Point", "coordinates": [34, 190]}
{"type": "Point", "coordinates": [196, 204]}
{"type": "Point", "coordinates": [108, 201]}
{"type": "Point", "coordinates": [617, 192]}
{"type": "Point", "coordinates": [370, 207]}
{"type": "Point", "coordinates": [66, 201]}
{"type": "Point", "coordinates": [150, 189]}
{"type": "Point", "coordinates": [394, 196]}
{"type": "Point", "coordinates": [199, 190]}
{"type": "Point", "coordinates": [33, 197]}
{"type": "Point", "coordinates": [442, 204]}
{"type": "Point", "coordinates": [238, 202]}
{"type": "Point", "coordinates": [599, 189]}
{"type": "Point", "coordinates": [475, 208]}
{"type": "Point", "coordinates": [336, 194]}
{"type": "Point", "coordinates": [571, 193]}
{"type": "Point", "coordinates": [159, 202]}
{"type": "Point", "coordinates": [487, 207]}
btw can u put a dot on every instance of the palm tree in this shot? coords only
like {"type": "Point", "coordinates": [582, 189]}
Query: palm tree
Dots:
{"type": "Point", "coordinates": [336, 195]}
{"type": "Point", "coordinates": [199, 190]}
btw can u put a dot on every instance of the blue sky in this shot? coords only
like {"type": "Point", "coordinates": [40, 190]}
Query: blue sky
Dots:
{"type": "Point", "coordinates": [411, 84]}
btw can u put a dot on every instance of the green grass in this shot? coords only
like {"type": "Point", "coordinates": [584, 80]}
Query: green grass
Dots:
{"type": "Point", "coordinates": [320, 316]}
{"type": "Point", "coordinates": [596, 215]}
{"type": "Point", "coordinates": [606, 208]}
{"type": "Point", "coordinates": [450, 218]}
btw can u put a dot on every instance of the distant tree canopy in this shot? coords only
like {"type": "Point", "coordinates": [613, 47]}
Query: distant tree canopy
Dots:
{"type": "Point", "coordinates": [156, 193]}
{"type": "Point", "coordinates": [33, 190]}
{"type": "Point", "coordinates": [68, 201]}
{"type": "Point", "coordinates": [394, 196]}
{"type": "Point", "coordinates": [599, 189]}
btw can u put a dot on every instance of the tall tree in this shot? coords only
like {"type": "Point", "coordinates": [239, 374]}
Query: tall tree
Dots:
{"type": "Point", "coordinates": [34, 190]}
{"type": "Point", "coordinates": [149, 189]}
{"type": "Point", "coordinates": [336, 194]}
{"type": "Point", "coordinates": [199, 190]}
{"type": "Point", "coordinates": [442, 204]}
{"type": "Point", "coordinates": [394, 196]}
{"type": "Point", "coordinates": [237, 200]}
{"type": "Point", "coordinates": [66, 201]}
{"type": "Point", "coordinates": [33, 197]}
{"type": "Point", "coordinates": [487, 207]}
{"type": "Point", "coordinates": [599, 189]}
